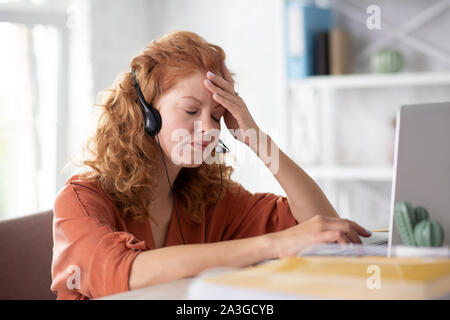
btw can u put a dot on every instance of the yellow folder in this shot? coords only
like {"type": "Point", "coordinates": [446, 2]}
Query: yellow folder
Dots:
{"type": "Point", "coordinates": [334, 277]}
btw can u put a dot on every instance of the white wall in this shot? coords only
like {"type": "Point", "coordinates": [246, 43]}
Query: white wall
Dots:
{"type": "Point", "coordinates": [120, 30]}
{"type": "Point", "coordinates": [398, 16]}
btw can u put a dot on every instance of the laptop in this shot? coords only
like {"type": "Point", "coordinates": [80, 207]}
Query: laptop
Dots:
{"type": "Point", "coordinates": [421, 176]}
{"type": "Point", "coordinates": [422, 164]}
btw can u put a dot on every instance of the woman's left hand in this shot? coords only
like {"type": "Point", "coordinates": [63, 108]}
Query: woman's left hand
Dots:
{"type": "Point", "coordinates": [237, 115]}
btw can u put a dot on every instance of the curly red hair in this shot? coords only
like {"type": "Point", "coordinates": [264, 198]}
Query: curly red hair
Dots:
{"type": "Point", "coordinates": [124, 158]}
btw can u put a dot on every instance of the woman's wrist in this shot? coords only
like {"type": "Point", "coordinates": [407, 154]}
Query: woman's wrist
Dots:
{"type": "Point", "coordinates": [269, 246]}
{"type": "Point", "coordinates": [250, 251]}
{"type": "Point", "coordinates": [267, 151]}
{"type": "Point", "coordinates": [259, 139]}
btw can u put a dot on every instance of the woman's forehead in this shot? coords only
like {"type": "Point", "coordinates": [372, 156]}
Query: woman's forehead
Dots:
{"type": "Point", "coordinates": [191, 88]}
{"type": "Point", "coordinates": [190, 82]}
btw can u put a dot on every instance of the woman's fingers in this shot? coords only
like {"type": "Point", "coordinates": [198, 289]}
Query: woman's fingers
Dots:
{"type": "Point", "coordinates": [220, 82]}
{"type": "Point", "coordinates": [230, 102]}
{"type": "Point", "coordinates": [360, 230]}
{"type": "Point", "coordinates": [215, 89]}
{"type": "Point", "coordinates": [336, 236]}
{"type": "Point", "coordinates": [343, 240]}
{"type": "Point", "coordinates": [347, 229]}
{"type": "Point", "coordinates": [318, 229]}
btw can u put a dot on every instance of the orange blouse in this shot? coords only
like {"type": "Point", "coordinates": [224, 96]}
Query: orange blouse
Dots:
{"type": "Point", "coordinates": [94, 247]}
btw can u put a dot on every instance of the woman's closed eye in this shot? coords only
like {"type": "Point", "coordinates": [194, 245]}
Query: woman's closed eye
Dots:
{"type": "Point", "coordinates": [194, 112]}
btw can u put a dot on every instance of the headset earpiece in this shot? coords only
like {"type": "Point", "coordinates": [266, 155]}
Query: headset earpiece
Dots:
{"type": "Point", "coordinates": [221, 147]}
{"type": "Point", "coordinates": [152, 117]}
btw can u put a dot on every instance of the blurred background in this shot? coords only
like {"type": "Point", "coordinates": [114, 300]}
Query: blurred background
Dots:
{"type": "Point", "coordinates": [324, 78]}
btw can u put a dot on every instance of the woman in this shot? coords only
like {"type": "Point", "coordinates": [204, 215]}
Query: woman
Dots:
{"type": "Point", "coordinates": [145, 212]}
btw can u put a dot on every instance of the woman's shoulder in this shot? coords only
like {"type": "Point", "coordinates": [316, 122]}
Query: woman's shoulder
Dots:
{"type": "Point", "coordinates": [78, 185]}
{"type": "Point", "coordinates": [237, 189]}
{"type": "Point", "coordinates": [79, 182]}
{"type": "Point", "coordinates": [83, 195]}
{"type": "Point", "coordinates": [237, 192]}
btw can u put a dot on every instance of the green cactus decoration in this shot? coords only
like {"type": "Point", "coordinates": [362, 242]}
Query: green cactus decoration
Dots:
{"type": "Point", "coordinates": [421, 213]}
{"type": "Point", "coordinates": [414, 226]}
{"type": "Point", "coordinates": [428, 233]}
{"type": "Point", "coordinates": [403, 215]}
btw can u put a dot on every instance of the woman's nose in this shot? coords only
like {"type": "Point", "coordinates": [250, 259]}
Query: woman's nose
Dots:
{"type": "Point", "coordinates": [208, 123]}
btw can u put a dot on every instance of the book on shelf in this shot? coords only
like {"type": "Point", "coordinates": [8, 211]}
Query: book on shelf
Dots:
{"type": "Point", "coordinates": [321, 53]}
{"type": "Point", "coordinates": [340, 51]}
{"type": "Point", "coordinates": [302, 22]}
{"type": "Point", "coordinates": [313, 46]}
{"type": "Point", "coordinates": [332, 52]}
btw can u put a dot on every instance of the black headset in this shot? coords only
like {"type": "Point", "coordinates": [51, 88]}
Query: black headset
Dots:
{"type": "Point", "coordinates": [152, 117]}
{"type": "Point", "coordinates": [152, 125]}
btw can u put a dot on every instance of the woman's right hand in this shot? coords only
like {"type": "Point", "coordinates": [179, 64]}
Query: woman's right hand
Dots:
{"type": "Point", "coordinates": [318, 229]}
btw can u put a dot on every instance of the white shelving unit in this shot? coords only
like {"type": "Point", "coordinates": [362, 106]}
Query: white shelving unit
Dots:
{"type": "Point", "coordinates": [325, 90]}
{"type": "Point", "coordinates": [354, 81]}
{"type": "Point", "coordinates": [328, 116]}
{"type": "Point", "coordinates": [326, 86]}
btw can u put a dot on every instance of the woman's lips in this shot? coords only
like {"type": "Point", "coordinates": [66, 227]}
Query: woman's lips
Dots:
{"type": "Point", "coordinates": [199, 145]}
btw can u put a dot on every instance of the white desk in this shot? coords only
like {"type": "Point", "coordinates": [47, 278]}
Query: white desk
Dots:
{"type": "Point", "coordinates": [175, 290]}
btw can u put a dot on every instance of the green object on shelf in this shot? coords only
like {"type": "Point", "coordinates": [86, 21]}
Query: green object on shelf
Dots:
{"type": "Point", "coordinates": [387, 61]}
{"type": "Point", "coordinates": [403, 215]}
{"type": "Point", "coordinates": [414, 226]}
{"type": "Point", "coordinates": [428, 233]}
{"type": "Point", "coordinates": [421, 213]}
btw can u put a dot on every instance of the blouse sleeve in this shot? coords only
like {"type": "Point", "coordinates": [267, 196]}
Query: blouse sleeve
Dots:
{"type": "Point", "coordinates": [253, 214]}
{"type": "Point", "coordinates": [90, 257]}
